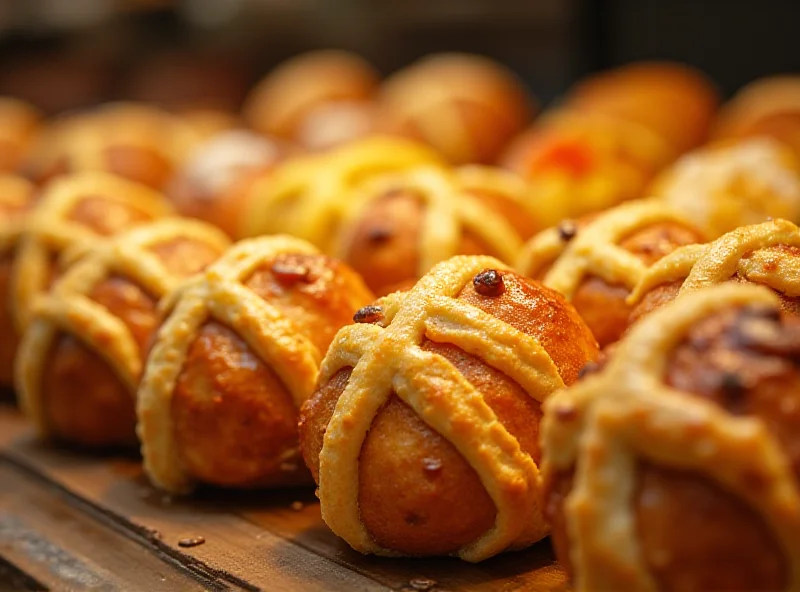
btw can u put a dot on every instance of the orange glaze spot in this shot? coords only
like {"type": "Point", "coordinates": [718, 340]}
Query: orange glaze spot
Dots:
{"type": "Point", "coordinates": [571, 157]}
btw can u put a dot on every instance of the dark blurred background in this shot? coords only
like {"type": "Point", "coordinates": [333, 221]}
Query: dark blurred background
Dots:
{"type": "Point", "coordinates": [62, 54]}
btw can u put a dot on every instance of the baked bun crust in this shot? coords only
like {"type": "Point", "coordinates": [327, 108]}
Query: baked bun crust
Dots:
{"type": "Point", "coordinates": [675, 467]}
{"type": "Point", "coordinates": [307, 196]}
{"type": "Point", "coordinates": [756, 102]}
{"type": "Point", "coordinates": [596, 262]}
{"type": "Point", "coordinates": [583, 162]}
{"type": "Point", "coordinates": [137, 142]}
{"type": "Point", "coordinates": [467, 107]}
{"type": "Point", "coordinates": [19, 124]}
{"type": "Point", "coordinates": [391, 435]}
{"type": "Point", "coordinates": [401, 225]}
{"type": "Point", "coordinates": [767, 254]}
{"type": "Point", "coordinates": [724, 186]}
{"type": "Point", "coordinates": [17, 198]}
{"type": "Point", "coordinates": [202, 186]}
{"type": "Point", "coordinates": [82, 353]}
{"type": "Point", "coordinates": [237, 354]}
{"type": "Point", "coordinates": [334, 124]}
{"type": "Point", "coordinates": [73, 214]}
{"type": "Point", "coordinates": [674, 100]}
{"type": "Point", "coordinates": [280, 104]}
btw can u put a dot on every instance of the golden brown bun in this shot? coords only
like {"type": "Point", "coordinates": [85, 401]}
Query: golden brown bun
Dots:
{"type": "Point", "coordinates": [84, 400]}
{"type": "Point", "coordinates": [217, 442]}
{"type": "Point", "coordinates": [783, 126]}
{"type": "Point", "coordinates": [332, 124]}
{"type": "Point", "coordinates": [583, 162]}
{"type": "Point", "coordinates": [729, 184]}
{"type": "Point", "coordinates": [19, 124]}
{"type": "Point", "coordinates": [392, 241]}
{"type": "Point", "coordinates": [672, 99]}
{"type": "Point", "coordinates": [385, 241]}
{"type": "Point", "coordinates": [202, 187]}
{"type": "Point", "coordinates": [416, 492]}
{"type": "Point", "coordinates": [73, 214]}
{"type": "Point", "coordinates": [758, 101]}
{"type": "Point", "coordinates": [280, 103]}
{"type": "Point", "coordinates": [137, 142]}
{"type": "Point", "coordinates": [764, 254]}
{"type": "Point", "coordinates": [467, 107]}
{"type": "Point", "coordinates": [208, 123]}
{"type": "Point", "coordinates": [85, 392]}
{"type": "Point", "coordinates": [227, 415]}
{"type": "Point", "coordinates": [602, 305]}
{"type": "Point", "coordinates": [309, 195]}
{"type": "Point", "coordinates": [17, 197]}
{"type": "Point", "coordinates": [597, 285]}
{"type": "Point", "coordinates": [695, 535]}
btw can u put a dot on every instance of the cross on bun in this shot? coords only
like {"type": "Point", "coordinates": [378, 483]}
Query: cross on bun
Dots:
{"type": "Point", "coordinates": [237, 354]}
{"type": "Point", "coordinates": [676, 466]}
{"type": "Point", "coordinates": [423, 432]}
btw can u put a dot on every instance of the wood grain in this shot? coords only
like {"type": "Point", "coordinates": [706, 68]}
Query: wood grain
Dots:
{"type": "Point", "coordinates": [253, 540]}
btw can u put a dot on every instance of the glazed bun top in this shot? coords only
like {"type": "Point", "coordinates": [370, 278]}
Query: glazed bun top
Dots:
{"type": "Point", "coordinates": [726, 185]}
{"type": "Point", "coordinates": [565, 255]}
{"type": "Point", "coordinates": [584, 162]}
{"type": "Point", "coordinates": [306, 196]}
{"type": "Point", "coordinates": [704, 390]}
{"type": "Point", "coordinates": [398, 226]}
{"type": "Point", "coordinates": [466, 106]}
{"type": "Point", "coordinates": [513, 327]}
{"type": "Point", "coordinates": [19, 124]}
{"type": "Point", "coordinates": [760, 99]}
{"type": "Point", "coordinates": [279, 104]}
{"type": "Point", "coordinates": [131, 140]}
{"type": "Point", "coordinates": [767, 254]}
{"type": "Point", "coordinates": [74, 213]}
{"type": "Point", "coordinates": [215, 166]}
{"type": "Point", "coordinates": [17, 197]}
{"type": "Point", "coordinates": [674, 100]}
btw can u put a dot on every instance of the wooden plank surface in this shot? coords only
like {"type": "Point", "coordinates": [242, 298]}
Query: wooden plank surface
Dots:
{"type": "Point", "coordinates": [99, 517]}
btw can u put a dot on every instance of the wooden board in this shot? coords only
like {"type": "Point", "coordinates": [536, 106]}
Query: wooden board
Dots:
{"type": "Point", "coordinates": [82, 522]}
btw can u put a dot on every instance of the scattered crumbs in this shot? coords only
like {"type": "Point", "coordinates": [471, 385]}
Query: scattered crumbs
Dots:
{"type": "Point", "coordinates": [422, 584]}
{"type": "Point", "coordinates": [192, 541]}
{"type": "Point", "coordinates": [297, 506]}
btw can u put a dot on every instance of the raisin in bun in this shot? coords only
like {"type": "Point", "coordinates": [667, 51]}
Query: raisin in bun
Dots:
{"type": "Point", "coordinates": [285, 98]}
{"type": "Point", "coordinates": [401, 225]}
{"type": "Point", "coordinates": [596, 261]}
{"type": "Point", "coordinates": [203, 184]}
{"type": "Point", "coordinates": [17, 198]}
{"type": "Point", "coordinates": [726, 185]}
{"type": "Point", "coordinates": [466, 106]}
{"type": "Point", "coordinates": [767, 254]}
{"type": "Point", "coordinates": [423, 431]}
{"type": "Point", "coordinates": [582, 162]}
{"type": "Point", "coordinates": [236, 355]}
{"type": "Point", "coordinates": [82, 353]}
{"type": "Point", "coordinates": [674, 100]}
{"type": "Point", "coordinates": [74, 213]}
{"type": "Point", "coordinates": [675, 467]}
{"type": "Point", "coordinates": [308, 195]}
